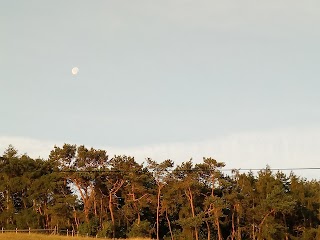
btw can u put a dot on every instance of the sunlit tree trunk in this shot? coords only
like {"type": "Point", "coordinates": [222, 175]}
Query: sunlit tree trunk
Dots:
{"type": "Point", "coordinates": [188, 192]}
{"type": "Point", "coordinates": [169, 224]}
{"type": "Point", "coordinates": [208, 229]}
{"type": "Point", "coordinates": [76, 220]}
{"type": "Point", "coordinates": [238, 224]}
{"type": "Point", "coordinates": [95, 206]}
{"type": "Point", "coordinates": [111, 209]}
{"type": "Point", "coordinates": [216, 220]}
{"type": "Point", "coordinates": [158, 209]}
{"type": "Point", "coordinates": [86, 196]}
{"type": "Point", "coordinates": [115, 188]}
{"type": "Point", "coordinates": [232, 223]}
{"type": "Point", "coordinates": [262, 222]}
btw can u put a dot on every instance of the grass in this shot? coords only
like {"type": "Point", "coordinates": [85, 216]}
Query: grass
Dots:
{"type": "Point", "coordinates": [36, 236]}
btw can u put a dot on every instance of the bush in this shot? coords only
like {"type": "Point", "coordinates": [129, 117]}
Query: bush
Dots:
{"type": "Point", "coordinates": [26, 218]}
{"type": "Point", "coordinates": [141, 229]}
{"type": "Point", "coordinates": [106, 230]}
{"type": "Point", "coordinates": [90, 228]}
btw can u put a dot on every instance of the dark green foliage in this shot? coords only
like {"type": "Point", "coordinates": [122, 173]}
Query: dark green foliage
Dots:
{"type": "Point", "coordinates": [27, 218]}
{"type": "Point", "coordinates": [90, 228]}
{"type": "Point", "coordinates": [83, 190]}
{"type": "Point", "coordinates": [142, 229]}
{"type": "Point", "coordinates": [106, 230]}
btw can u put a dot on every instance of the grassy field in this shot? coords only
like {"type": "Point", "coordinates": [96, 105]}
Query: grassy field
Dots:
{"type": "Point", "coordinates": [33, 236]}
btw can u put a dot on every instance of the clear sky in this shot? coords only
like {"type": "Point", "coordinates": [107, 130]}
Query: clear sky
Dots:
{"type": "Point", "coordinates": [234, 80]}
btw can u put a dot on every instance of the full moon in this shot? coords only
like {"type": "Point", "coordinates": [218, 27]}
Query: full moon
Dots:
{"type": "Point", "coordinates": [75, 70]}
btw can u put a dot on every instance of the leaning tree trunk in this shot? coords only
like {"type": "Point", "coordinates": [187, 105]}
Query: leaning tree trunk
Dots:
{"type": "Point", "coordinates": [112, 216]}
{"type": "Point", "coordinates": [169, 224]}
{"type": "Point", "coordinates": [208, 229]}
{"type": "Point", "coordinates": [233, 227]}
{"type": "Point", "coordinates": [262, 222]}
{"type": "Point", "coordinates": [115, 188]}
{"type": "Point", "coordinates": [158, 209]}
{"type": "Point", "coordinates": [216, 220]}
{"type": "Point", "coordinates": [190, 197]}
{"type": "Point", "coordinates": [238, 226]}
{"type": "Point", "coordinates": [86, 195]}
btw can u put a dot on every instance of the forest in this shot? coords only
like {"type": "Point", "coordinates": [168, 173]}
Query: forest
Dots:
{"type": "Point", "coordinates": [85, 190]}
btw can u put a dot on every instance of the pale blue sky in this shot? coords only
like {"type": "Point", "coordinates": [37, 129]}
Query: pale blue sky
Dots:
{"type": "Point", "coordinates": [156, 73]}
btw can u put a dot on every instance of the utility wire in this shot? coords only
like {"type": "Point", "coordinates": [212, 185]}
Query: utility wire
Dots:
{"type": "Point", "coordinates": [198, 170]}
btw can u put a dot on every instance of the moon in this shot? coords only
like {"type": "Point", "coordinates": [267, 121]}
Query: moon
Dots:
{"type": "Point", "coordinates": [75, 71]}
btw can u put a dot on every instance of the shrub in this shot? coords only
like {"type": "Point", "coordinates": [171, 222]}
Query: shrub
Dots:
{"type": "Point", "coordinates": [141, 229]}
{"type": "Point", "coordinates": [91, 228]}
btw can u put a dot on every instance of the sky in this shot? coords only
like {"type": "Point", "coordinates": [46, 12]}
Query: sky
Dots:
{"type": "Point", "coordinates": [234, 80]}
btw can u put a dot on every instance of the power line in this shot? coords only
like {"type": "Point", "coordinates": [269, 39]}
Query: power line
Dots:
{"type": "Point", "coordinates": [197, 170]}
{"type": "Point", "coordinates": [273, 169]}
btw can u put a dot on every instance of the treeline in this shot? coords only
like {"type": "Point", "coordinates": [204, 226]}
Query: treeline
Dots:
{"type": "Point", "coordinates": [84, 190]}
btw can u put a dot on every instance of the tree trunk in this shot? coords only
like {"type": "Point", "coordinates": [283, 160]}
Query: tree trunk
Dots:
{"type": "Point", "coordinates": [190, 197]}
{"type": "Point", "coordinates": [135, 204]}
{"type": "Point", "coordinates": [208, 229]}
{"type": "Point", "coordinates": [216, 220]}
{"type": "Point", "coordinates": [112, 215]}
{"type": "Point", "coordinates": [232, 222]}
{"type": "Point", "coordinates": [47, 220]}
{"type": "Point", "coordinates": [101, 210]}
{"type": "Point", "coordinates": [139, 218]}
{"type": "Point", "coordinates": [75, 218]}
{"type": "Point", "coordinates": [95, 206]}
{"type": "Point", "coordinates": [115, 188]}
{"type": "Point", "coordinates": [158, 209]}
{"type": "Point", "coordinates": [238, 226]}
{"type": "Point", "coordinates": [86, 198]}
{"type": "Point", "coordinates": [7, 200]}
{"type": "Point", "coordinates": [253, 232]}
{"type": "Point", "coordinates": [169, 224]}
{"type": "Point", "coordinates": [262, 222]}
